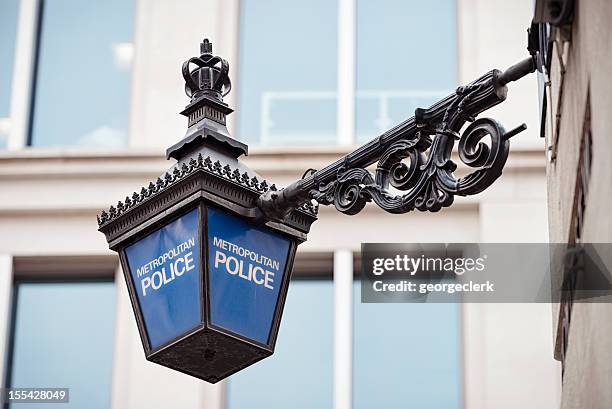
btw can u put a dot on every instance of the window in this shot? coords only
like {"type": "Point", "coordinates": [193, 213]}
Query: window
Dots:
{"type": "Point", "coordinates": [8, 28]}
{"type": "Point", "coordinates": [63, 336]}
{"type": "Point", "coordinates": [416, 361]}
{"type": "Point", "coordinates": [406, 59]}
{"type": "Point", "coordinates": [299, 374]}
{"type": "Point", "coordinates": [82, 76]}
{"type": "Point", "coordinates": [287, 72]}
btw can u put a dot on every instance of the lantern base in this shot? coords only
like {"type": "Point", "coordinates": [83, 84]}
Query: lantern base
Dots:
{"type": "Point", "coordinates": [209, 355]}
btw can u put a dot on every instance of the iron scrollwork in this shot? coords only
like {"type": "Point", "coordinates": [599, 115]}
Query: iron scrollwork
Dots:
{"type": "Point", "coordinates": [428, 179]}
{"type": "Point", "coordinates": [414, 165]}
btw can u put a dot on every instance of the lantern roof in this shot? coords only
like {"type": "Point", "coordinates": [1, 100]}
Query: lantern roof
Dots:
{"type": "Point", "coordinates": [239, 175]}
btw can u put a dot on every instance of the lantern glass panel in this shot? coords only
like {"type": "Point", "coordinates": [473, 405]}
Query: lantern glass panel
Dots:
{"type": "Point", "coordinates": [165, 271]}
{"type": "Point", "coordinates": [247, 266]}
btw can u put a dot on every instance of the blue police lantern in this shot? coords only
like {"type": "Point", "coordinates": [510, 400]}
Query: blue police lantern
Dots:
{"type": "Point", "coordinates": [206, 271]}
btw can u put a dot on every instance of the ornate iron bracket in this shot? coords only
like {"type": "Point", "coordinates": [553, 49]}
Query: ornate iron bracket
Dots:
{"type": "Point", "coordinates": [414, 169]}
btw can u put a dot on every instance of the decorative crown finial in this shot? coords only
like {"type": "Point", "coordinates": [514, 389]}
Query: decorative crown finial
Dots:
{"type": "Point", "coordinates": [206, 83]}
{"type": "Point", "coordinates": [206, 47]}
{"type": "Point", "coordinates": [210, 76]}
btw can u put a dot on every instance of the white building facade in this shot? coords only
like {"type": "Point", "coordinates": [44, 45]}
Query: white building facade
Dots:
{"type": "Point", "coordinates": [92, 100]}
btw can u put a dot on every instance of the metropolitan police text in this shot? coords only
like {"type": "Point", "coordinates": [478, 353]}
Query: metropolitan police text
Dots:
{"type": "Point", "coordinates": [254, 271]}
{"type": "Point", "coordinates": [180, 261]}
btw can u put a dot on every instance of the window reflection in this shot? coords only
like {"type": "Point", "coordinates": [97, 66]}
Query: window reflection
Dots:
{"type": "Point", "coordinates": [287, 72]}
{"type": "Point", "coordinates": [82, 83]}
{"type": "Point", "coordinates": [406, 58]}
{"type": "Point", "coordinates": [417, 361]}
{"type": "Point", "coordinates": [63, 338]}
{"type": "Point", "coordinates": [299, 374]}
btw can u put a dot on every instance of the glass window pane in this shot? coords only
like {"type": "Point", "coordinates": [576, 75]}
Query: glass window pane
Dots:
{"type": "Point", "coordinates": [287, 72]}
{"type": "Point", "coordinates": [406, 355]}
{"type": "Point", "coordinates": [406, 58]}
{"type": "Point", "coordinates": [63, 338]}
{"type": "Point", "coordinates": [299, 374]}
{"type": "Point", "coordinates": [8, 27]}
{"type": "Point", "coordinates": [82, 83]}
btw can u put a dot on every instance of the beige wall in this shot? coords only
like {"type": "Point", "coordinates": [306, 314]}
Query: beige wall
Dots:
{"type": "Point", "coordinates": [508, 348]}
{"type": "Point", "coordinates": [587, 59]}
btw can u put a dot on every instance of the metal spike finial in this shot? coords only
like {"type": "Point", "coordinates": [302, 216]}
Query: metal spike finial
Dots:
{"type": "Point", "coordinates": [206, 47]}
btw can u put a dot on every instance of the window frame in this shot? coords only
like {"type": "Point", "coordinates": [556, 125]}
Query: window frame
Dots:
{"type": "Point", "coordinates": [42, 269]}
{"type": "Point", "coordinates": [24, 64]}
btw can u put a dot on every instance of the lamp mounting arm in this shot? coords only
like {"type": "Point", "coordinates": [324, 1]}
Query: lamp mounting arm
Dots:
{"type": "Point", "coordinates": [414, 157]}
